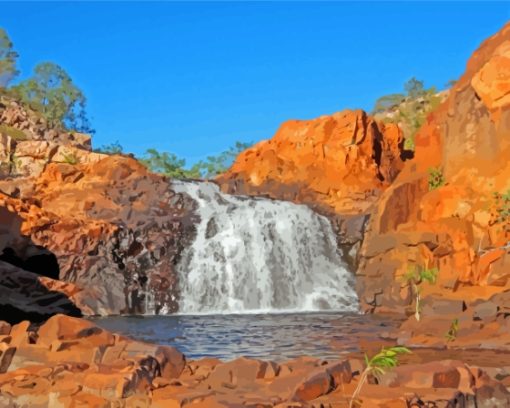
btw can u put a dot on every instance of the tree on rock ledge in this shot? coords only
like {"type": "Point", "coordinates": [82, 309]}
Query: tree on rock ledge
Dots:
{"type": "Point", "coordinates": [52, 92]}
{"type": "Point", "coordinates": [8, 58]}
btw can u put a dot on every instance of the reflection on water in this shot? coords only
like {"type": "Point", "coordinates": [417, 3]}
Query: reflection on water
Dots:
{"type": "Point", "coordinates": [268, 336]}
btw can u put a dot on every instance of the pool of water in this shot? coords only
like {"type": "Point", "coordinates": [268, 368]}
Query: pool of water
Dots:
{"type": "Point", "coordinates": [265, 336]}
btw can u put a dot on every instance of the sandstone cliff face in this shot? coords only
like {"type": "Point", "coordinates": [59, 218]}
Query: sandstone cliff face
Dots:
{"type": "Point", "coordinates": [101, 223]}
{"type": "Point", "coordinates": [461, 227]}
{"type": "Point", "coordinates": [336, 164]}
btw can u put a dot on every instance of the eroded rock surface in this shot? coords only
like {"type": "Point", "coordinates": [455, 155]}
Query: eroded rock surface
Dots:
{"type": "Point", "coordinates": [101, 223]}
{"type": "Point", "coordinates": [459, 225]}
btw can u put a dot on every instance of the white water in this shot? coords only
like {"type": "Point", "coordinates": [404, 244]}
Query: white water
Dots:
{"type": "Point", "coordinates": [257, 255]}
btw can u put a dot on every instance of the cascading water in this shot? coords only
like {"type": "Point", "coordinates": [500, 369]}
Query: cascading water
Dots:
{"type": "Point", "coordinates": [259, 255]}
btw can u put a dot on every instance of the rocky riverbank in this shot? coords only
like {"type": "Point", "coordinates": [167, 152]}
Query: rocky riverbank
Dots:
{"type": "Point", "coordinates": [69, 362]}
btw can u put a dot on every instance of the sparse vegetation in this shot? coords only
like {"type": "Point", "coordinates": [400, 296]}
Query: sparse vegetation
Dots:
{"type": "Point", "coordinates": [8, 59]}
{"type": "Point", "coordinates": [52, 92]}
{"type": "Point", "coordinates": [409, 110]}
{"type": "Point", "coordinates": [166, 163]}
{"type": "Point", "coordinates": [502, 206]}
{"type": "Point", "coordinates": [451, 334]}
{"type": "Point", "coordinates": [386, 359]}
{"type": "Point", "coordinates": [414, 277]}
{"type": "Point", "coordinates": [436, 178]}
{"type": "Point", "coordinates": [215, 165]}
{"type": "Point", "coordinates": [112, 148]}
{"type": "Point", "coordinates": [14, 163]}
{"type": "Point", "coordinates": [172, 166]}
{"type": "Point", "coordinates": [70, 158]}
{"type": "Point", "coordinates": [12, 132]}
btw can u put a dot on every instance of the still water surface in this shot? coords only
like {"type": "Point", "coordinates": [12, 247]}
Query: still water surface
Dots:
{"type": "Point", "coordinates": [266, 336]}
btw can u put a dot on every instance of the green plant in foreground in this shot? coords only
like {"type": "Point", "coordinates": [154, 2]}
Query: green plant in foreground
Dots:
{"type": "Point", "coordinates": [451, 334]}
{"type": "Point", "coordinates": [436, 178]}
{"type": "Point", "coordinates": [386, 359]}
{"type": "Point", "coordinates": [415, 277]}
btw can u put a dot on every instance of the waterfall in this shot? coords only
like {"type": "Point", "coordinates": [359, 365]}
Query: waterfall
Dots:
{"type": "Point", "coordinates": [260, 255]}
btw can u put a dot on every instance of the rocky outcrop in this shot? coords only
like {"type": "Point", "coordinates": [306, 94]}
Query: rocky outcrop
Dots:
{"type": "Point", "coordinates": [448, 208]}
{"type": "Point", "coordinates": [28, 142]}
{"type": "Point", "coordinates": [69, 362]}
{"type": "Point", "coordinates": [337, 164]}
{"type": "Point", "coordinates": [101, 225]}
{"type": "Point", "coordinates": [115, 229]}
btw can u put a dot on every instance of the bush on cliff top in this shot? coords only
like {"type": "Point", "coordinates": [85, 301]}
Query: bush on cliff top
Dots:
{"type": "Point", "coordinates": [172, 166]}
{"type": "Point", "coordinates": [408, 110]}
{"type": "Point", "coordinates": [50, 91]}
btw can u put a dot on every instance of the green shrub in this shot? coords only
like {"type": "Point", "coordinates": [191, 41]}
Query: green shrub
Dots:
{"type": "Point", "coordinates": [436, 178]}
{"type": "Point", "coordinates": [70, 158]}
{"type": "Point", "coordinates": [502, 204]}
{"type": "Point", "coordinates": [12, 132]}
{"type": "Point", "coordinates": [451, 334]}
{"type": "Point", "coordinates": [409, 143]}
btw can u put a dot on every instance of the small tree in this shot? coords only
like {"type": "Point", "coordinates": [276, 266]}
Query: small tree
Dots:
{"type": "Point", "coordinates": [414, 88]}
{"type": "Point", "coordinates": [8, 59]}
{"type": "Point", "coordinates": [377, 365]}
{"type": "Point", "coordinates": [414, 278]}
{"type": "Point", "coordinates": [52, 92]}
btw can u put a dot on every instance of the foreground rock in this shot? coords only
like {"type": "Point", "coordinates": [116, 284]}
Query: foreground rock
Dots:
{"type": "Point", "coordinates": [68, 362]}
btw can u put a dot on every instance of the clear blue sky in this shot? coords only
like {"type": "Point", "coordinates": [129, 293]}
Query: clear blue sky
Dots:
{"type": "Point", "coordinates": [191, 78]}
